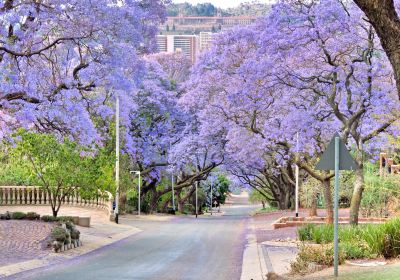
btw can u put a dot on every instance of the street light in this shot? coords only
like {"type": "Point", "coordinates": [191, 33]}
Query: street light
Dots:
{"type": "Point", "coordinates": [138, 173]}
{"type": "Point", "coordinates": [297, 176]}
{"type": "Point", "coordinates": [211, 198]}
{"type": "Point", "coordinates": [116, 211]}
{"type": "Point", "coordinates": [197, 186]}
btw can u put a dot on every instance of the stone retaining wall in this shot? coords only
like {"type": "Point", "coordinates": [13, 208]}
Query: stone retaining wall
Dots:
{"type": "Point", "coordinates": [300, 221]}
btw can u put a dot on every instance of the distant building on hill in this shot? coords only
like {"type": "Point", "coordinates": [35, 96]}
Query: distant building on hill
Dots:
{"type": "Point", "coordinates": [191, 35]}
{"type": "Point", "coordinates": [189, 24]}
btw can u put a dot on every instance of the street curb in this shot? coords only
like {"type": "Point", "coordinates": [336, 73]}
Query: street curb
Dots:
{"type": "Point", "coordinates": [253, 264]}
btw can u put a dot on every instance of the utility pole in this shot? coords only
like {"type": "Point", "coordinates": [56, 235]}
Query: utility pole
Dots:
{"type": "Point", "coordinates": [116, 211]}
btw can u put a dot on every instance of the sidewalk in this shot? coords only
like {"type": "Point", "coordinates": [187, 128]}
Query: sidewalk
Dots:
{"type": "Point", "coordinates": [262, 254]}
{"type": "Point", "coordinates": [101, 233]}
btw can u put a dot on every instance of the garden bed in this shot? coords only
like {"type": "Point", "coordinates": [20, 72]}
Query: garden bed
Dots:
{"type": "Point", "coordinates": [63, 234]}
{"type": "Point", "coordinates": [357, 244]}
{"type": "Point", "coordinates": [301, 221]}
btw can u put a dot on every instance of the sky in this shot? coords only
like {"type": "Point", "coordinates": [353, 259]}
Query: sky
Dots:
{"type": "Point", "coordinates": [220, 3]}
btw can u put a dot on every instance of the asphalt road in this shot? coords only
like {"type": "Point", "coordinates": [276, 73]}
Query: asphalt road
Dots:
{"type": "Point", "coordinates": [184, 248]}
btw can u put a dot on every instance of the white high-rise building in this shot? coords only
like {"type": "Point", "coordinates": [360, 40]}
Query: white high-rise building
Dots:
{"type": "Point", "coordinates": [187, 44]}
{"type": "Point", "coordinates": [205, 40]}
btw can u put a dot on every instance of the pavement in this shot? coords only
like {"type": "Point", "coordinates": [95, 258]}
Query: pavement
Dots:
{"type": "Point", "coordinates": [23, 243]}
{"type": "Point", "coordinates": [182, 247]}
{"type": "Point", "coordinates": [225, 246]}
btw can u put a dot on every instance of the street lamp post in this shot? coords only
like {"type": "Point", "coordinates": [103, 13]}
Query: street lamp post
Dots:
{"type": "Point", "coordinates": [173, 192]}
{"type": "Point", "coordinates": [197, 186]}
{"type": "Point", "coordinates": [116, 211]}
{"type": "Point", "coordinates": [297, 177]}
{"type": "Point", "coordinates": [138, 173]}
{"type": "Point", "coordinates": [211, 198]}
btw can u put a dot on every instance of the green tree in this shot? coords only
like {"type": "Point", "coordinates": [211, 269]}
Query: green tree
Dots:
{"type": "Point", "coordinates": [257, 197]}
{"type": "Point", "coordinates": [220, 190]}
{"type": "Point", "coordinates": [61, 167]}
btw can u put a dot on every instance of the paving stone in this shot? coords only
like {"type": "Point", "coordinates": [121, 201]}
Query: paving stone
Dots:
{"type": "Point", "coordinates": [22, 240]}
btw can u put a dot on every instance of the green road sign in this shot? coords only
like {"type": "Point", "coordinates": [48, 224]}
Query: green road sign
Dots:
{"type": "Point", "coordinates": [327, 161]}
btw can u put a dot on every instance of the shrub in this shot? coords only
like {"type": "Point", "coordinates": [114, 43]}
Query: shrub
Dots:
{"type": "Point", "coordinates": [62, 219]}
{"type": "Point", "coordinates": [65, 219]}
{"type": "Point", "coordinates": [391, 238]}
{"type": "Point", "coordinates": [75, 234]}
{"type": "Point", "coordinates": [48, 218]}
{"type": "Point", "coordinates": [67, 237]}
{"type": "Point", "coordinates": [5, 216]}
{"type": "Point", "coordinates": [305, 233]}
{"type": "Point", "coordinates": [322, 234]}
{"type": "Point", "coordinates": [69, 225]}
{"type": "Point", "coordinates": [18, 216]}
{"type": "Point", "coordinates": [356, 250]}
{"type": "Point", "coordinates": [374, 236]}
{"type": "Point", "coordinates": [59, 234]}
{"type": "Point", "coordinates": [299, 266]}
{"type": "Point", "coordinates": [363, 241]}
{"type": "Point", "coordinates": [32, 216]}
{"type": "Point", "coordinates": [319, 254]}
{"type": "Point", "coordinates": [314, 255]}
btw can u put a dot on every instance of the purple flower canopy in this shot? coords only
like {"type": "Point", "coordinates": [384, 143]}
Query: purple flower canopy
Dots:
{"type": "Point", "coordinates": [60, 63]}
{"type": "Point", "coordinates": [311, 70]}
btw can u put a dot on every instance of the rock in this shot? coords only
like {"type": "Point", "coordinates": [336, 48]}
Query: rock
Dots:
{"type": "Point", "coordinates": [56, 246]}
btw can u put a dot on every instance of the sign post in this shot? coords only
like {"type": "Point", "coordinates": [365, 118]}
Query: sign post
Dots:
{"type": "Point", "coordinates": [336, 206]}
{"type": "Point", "coordinates": [336, 157]}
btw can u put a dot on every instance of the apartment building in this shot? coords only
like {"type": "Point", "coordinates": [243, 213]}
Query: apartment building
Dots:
{"type": "Point", "coordinates": [187, 44]}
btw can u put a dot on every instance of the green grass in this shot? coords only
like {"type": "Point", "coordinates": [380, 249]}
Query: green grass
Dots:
{"type": "Point", "coordinates": [390, 272]}
{"type": "Point", "coordinates": [363, 241]}
{"type": "Point", "coordinates": [267, 209]}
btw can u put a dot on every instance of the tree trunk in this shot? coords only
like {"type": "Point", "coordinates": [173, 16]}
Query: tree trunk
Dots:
{"type": "Point", "coordinates": [283, 200]}
{"type": "Point", "coordinates": [55, 212]}
{"type": "Point", "coordinates": [357, 196]}
{"type": "Point", "coordinates": [326, 185]}
{"type": "Point", "coordinates": [164, 206]}
{"type": "Point", "coordinates": [179, 201]}
{"type": "Point", "coordinates": [287, 200]}
{"type": "Point", "coordinates": [313, 209]}
{"type": "Point", "coordinates": [384, 18]}
{"type": "Point", "coordinates": [153, 201]}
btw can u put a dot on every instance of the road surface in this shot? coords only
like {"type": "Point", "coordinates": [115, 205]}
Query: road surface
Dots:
{"type": "Point", "coordinates": [184, 248]}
